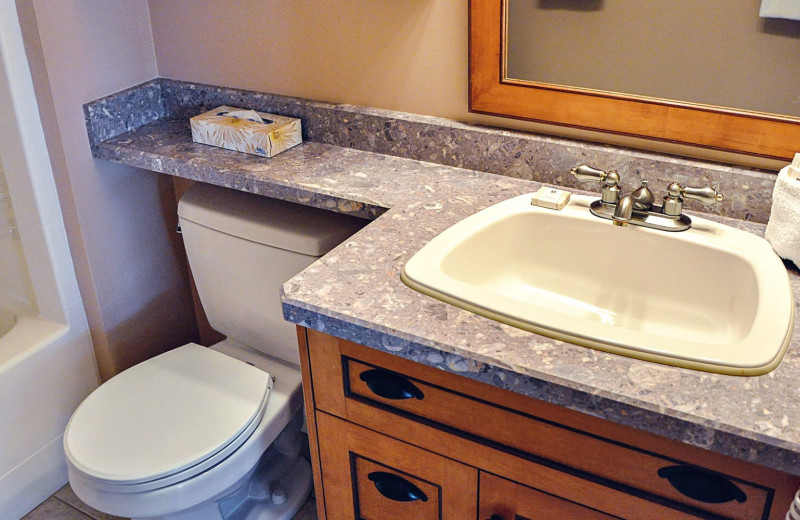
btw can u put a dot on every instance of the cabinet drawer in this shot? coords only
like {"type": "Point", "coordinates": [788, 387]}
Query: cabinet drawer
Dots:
{"type": "Point", "coordinates": [502, 499]}
{"type": "Point", "coordinates": [353, 378]}
{"type": "Point", "coordinates": [371, 477]}
{"type": "Point", "coordinates": [659, 475]}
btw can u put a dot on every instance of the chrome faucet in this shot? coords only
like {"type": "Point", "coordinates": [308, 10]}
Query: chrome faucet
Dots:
{"type": "Point", "coordinates": [638, 208]}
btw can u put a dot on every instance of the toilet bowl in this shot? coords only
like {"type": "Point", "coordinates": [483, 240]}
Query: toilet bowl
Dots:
{"type": "Point", "coordinates": [213, 433]}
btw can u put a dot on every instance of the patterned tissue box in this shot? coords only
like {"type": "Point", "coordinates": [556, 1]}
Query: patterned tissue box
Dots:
{"type": "Point", "coordinates": [233, 132]}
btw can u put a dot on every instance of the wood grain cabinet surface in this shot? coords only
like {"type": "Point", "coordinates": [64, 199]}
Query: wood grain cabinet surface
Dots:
{"type": "Point", "coordinates": [373, 477]}
{"type": "Point", "coordinates": [391, 438]}
{"type": "Point", "coordinates": [502, 499]}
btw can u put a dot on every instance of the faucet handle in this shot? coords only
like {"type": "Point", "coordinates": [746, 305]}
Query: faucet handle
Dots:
{"type": "Point", "coordinates": [676, 194]}
{"type": "Point", "coordinates": [585, 173]}
{"type": "Point", "coordinates": [610, 180]}
{"type": "Point", "coordinates": [703, 195]}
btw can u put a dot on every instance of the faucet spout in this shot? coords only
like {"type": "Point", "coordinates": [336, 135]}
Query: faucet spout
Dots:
{"type": "Point", "coordinates": [623, 211]}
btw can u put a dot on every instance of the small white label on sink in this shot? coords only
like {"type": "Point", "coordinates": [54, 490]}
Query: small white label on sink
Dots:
{"type": "Point", "coordinates": [551, 198]}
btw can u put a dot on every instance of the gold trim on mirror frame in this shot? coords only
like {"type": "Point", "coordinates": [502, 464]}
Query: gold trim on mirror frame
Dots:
{"type": "Point", "coordinates": [492, 92]}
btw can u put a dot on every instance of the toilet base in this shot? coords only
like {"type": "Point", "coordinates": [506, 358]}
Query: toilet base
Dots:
{"type": "Point", "coordinates": [295, 487]}
{"type": "Point", "coordinates": [276, 490]}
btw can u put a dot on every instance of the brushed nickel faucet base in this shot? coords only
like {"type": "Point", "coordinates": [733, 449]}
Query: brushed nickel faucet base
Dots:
{"type": "Point", "coordinates": [652, 218]}
{"type": "Point", "coordinates": [638, 208]}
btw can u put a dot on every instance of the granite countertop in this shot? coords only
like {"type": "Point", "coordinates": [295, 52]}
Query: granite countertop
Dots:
{"type": "Point", "coordinates": [355, 292]}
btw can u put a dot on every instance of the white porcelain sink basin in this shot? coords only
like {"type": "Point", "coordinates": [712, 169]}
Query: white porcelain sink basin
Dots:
{"type": "Point", "coordinates": [711, 298]}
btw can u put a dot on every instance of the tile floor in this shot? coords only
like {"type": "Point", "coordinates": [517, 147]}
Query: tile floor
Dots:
{"type": "Point", "coordinates": [64, 505]}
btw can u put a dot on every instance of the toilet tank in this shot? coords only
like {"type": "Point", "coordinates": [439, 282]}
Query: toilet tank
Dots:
{"type": "Point", "coordinates": [242, 248]}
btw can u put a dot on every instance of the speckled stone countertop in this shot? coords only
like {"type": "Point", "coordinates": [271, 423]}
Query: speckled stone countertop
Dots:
{"type": "Point", "coordinates": [355, 292]}
{"type": "Point", "coordinates": [752, 418]}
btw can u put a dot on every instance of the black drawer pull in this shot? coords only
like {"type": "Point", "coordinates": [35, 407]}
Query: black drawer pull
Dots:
{"type": "Point", "coordinates": [390, 385]}
{"type": "Point", "coordinates": [396, 488]}
{"type": "Point", "coordinates": [702, 485]}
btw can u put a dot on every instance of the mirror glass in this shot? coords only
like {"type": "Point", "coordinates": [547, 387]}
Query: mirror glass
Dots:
{"type": "Point", "coordinates": [711, 52]}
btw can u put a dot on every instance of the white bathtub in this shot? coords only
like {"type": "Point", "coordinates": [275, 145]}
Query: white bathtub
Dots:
{"type": "Point", "coordinates": [24, 337]}
{"type": "Point", "coordinates": [46, 360]}
{"type": "Point", "coordinates": [45, 371]}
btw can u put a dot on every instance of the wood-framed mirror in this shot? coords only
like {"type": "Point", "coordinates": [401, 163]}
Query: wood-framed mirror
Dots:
{"type": "Point", "coordinates": [493, 92]}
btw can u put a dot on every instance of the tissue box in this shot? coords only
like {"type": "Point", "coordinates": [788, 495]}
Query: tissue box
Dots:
{"type": "Point", "coordinates": [267, 139]}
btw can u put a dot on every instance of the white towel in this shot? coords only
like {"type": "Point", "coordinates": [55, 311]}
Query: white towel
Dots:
{"type": "Point", "coordinates": [780, 9]}
{"type": "Point", "coordinates": [783, 228]}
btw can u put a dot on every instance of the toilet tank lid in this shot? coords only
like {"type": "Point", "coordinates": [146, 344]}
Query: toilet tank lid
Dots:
{"type": "Point", "coordinates": [268, 221]}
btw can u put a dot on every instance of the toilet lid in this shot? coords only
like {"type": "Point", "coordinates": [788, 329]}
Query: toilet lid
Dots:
{"type": "Point", "coordinates": [165, 415]}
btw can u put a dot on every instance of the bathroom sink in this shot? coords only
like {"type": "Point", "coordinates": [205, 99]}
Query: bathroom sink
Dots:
{"type": "Point", "coordinates": [711, 298]}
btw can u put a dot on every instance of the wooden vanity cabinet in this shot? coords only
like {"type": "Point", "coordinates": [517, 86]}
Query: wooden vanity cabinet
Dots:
{"type": "Point", "coordinates": [391, 438]}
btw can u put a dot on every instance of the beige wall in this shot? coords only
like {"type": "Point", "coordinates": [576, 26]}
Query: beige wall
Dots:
{"type": "Point", "coordinates": [120, 220]}
{"type": "Point", "coordinates": [408, 55]}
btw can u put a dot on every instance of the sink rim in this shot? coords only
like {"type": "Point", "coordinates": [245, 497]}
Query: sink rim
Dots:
{"type": "Point", "coordinates": [775, 297]}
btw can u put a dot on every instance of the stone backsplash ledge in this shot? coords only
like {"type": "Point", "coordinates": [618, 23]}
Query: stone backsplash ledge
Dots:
{"type": "Point", "coordinates": [748, 192]}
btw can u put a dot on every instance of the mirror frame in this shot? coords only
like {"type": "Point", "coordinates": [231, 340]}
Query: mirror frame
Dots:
{"type": "Point", "coordinates": [492, 92]}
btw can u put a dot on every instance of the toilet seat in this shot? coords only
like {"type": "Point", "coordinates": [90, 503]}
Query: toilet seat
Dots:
{"type": "Point", "coordinates": [166, 419]}
{"type": "Point", "coordinates": [184, 490]}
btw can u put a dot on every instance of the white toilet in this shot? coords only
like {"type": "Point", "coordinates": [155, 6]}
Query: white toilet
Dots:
{"type": "Point", "coordinates": [213, 433]}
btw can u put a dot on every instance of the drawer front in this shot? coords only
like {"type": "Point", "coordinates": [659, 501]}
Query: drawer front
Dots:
{"type": "Point", "coordinates": [350, 379]}
{"type": "Point", "coordinates": [664, 477]}
{"type": "Point", "coordinates": [385, 493]}
{"type": "Point", "coordinates": [502, 499]}
{"type": "Point", "coordinates": [367, 476]}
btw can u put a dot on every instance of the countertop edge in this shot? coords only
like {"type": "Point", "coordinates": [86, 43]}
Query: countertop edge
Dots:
{"type": "Point", "coordinates": [643, 418]}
